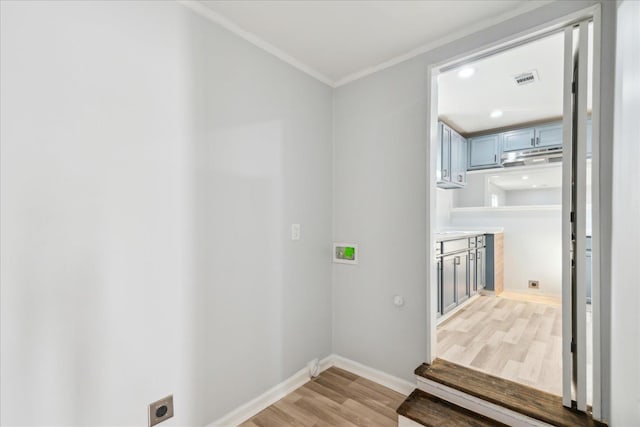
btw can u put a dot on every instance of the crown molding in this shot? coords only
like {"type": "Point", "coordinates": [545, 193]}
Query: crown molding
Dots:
{"type": "Point", "coordinates": [455, 35]}
{"type": "Point", "coordinates": [213, 16]}
{"type": "Point", "coordinates": [225, 23]}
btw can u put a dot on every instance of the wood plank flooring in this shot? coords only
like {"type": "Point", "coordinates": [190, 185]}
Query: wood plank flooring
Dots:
{"type": "Point", "coordinates": [513, 339]}
{"type": "Point", "coordinates": [335, 398]}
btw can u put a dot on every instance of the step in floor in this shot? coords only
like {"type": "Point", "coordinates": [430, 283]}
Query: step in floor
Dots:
{"type": "Point", "coordinates": [429, 410]}
{"type": "Point", "coordinates": [513, 396]}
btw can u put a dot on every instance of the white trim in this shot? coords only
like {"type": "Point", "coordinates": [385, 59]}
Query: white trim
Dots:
{"type": "Point", "coordinates": [406, 422]}
{"type": "Point", "coordinates": [271, 396]}
{"type": "Point", "coordinates": [394, 383]}
{"type": "Point", "coordinates": [455, 35]}
{"type": "Point", "coordinates": [479, 406]}
{"type": "Point", "coordinates": [581, 209]}
{"type": "Point", "coordinates": [595, 221]}
{"type": "Point", "coordinates": [567, 150]}
{"type": "Point", "coordinates": [225, 23]}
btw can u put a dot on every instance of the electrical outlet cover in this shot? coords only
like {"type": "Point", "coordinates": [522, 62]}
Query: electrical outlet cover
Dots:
{"type": "Point", "coordinates": [160, 410]}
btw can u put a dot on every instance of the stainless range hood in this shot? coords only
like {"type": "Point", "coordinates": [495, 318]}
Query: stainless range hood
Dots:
{"type": "Point", "coordinates": [536, 156]}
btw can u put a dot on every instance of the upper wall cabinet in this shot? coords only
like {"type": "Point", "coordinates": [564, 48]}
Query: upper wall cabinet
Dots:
{"type": "Point", "coordinates": [520, 139]}
{"type": "Point", "coordinates": [549, 135]}
{"type": "Point", "coordinates": [452, 158]}
{"type": "Point", "coordinates": [484, 152]}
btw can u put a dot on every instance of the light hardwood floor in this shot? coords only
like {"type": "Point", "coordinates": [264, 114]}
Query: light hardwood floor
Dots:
{"type": "Point", "coordinates": [513, 339]}
{"type": "Point", "coordinates": [335, 398]}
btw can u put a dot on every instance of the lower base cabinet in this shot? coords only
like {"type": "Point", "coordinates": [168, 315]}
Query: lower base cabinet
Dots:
{"type": "Point", "coordinates": [448, 292]}
{"type": "Point", "coordinates": [461, 273]}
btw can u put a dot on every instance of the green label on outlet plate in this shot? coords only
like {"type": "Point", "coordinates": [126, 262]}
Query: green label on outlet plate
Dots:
{"type": "Point", "coordinates": [349, 252]}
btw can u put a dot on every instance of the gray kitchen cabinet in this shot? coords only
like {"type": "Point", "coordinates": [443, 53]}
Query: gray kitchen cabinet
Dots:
{"type": "Point", "coordinates": [443, 172]}
{"type": "Point", "coordinates": [473, 265]}
{"type": "Point", "coordinates": [481, 267]}
{"type": "Point", "coordinates": [448, 283]}
{"type": "Point", "coordinates": [519, 139]}
{"type": "Point", "coordinates": [451, 169]}
{"type": "Point", "coordinates": [484, 152]}
{"type": "Point", "coordinates": [549, 135]}
{"type": "Point", "coordinates": [461, 265]}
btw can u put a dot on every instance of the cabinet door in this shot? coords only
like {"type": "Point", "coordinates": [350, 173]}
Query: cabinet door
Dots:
{"type": "Point", "coordinates": [520, 139]}
{"type": "Point", "coordinates": [480, 268]}
{"type": "Point", "coordinates": [549, 135]}
{"type": "Point", "coordinates": [462, 280]}
{"type": "Point", "coordinates": [484, 151]}
{"type": "Point", "coordinates": [448, 283]}
{"type": "Point", "coordinates": [445, 150]}
{"type": "Point", "coordinates": [458, 158]}
{"type": "Point", "coordinates": [473, 288]}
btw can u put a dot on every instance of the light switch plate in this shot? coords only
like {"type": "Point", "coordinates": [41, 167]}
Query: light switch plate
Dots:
{"type": "Point", "coordinates": [345, 253]}
{"type": "Point", "coordinates": [295, 231]}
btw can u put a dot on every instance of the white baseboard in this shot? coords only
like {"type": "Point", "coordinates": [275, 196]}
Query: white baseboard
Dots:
{"type": "Point", "coordinates": [394, 383]}
{"type": "Point", "coordinates": [271, 396]}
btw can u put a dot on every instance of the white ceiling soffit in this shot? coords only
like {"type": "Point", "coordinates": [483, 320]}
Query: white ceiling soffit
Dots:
{"type": "Point", "coordinates": [341, 41]}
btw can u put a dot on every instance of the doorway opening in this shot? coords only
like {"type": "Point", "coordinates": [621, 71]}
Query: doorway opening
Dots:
{"type": "Point", "coordinates": [511, 202]}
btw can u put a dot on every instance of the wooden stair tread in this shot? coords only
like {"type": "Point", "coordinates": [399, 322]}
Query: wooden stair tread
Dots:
{"type": "Point", "coordinates": [430, 410]}
{"type": "Point", "coordinates": [517, 397]}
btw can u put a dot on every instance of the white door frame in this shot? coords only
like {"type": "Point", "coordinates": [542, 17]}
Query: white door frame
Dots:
{"type": "Point", "coordinates": [594, 13]}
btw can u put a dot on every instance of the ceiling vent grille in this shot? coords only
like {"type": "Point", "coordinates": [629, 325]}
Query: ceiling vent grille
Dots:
{"type": "Point", "coordinates": [526, 78]}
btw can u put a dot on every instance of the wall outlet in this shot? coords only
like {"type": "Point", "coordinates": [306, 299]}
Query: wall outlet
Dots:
{"type": "Point", "coordinates": [534, 284]}
{"type": "Point", "coordinates": [160, 410]}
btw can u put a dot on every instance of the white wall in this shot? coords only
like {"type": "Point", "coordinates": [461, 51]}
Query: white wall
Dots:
{"type": "Point", "coordinates": [380, 143]}
{"type": "Point", "coordinates": [532, 245]}
{"type": "Point", "coordinates": [540, 196]}
{"type": "Point", "coordinates": [625, 322]}
{"type": "Point", "coordinates": [151, 165]}
{"type": "Point", "coordinates": [473, 194]}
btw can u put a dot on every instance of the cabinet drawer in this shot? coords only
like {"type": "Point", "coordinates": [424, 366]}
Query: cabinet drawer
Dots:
{"type": "Point", "coordinates": [455, 245]}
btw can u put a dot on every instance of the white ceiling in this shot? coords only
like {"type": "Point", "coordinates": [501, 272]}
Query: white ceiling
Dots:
{"type": "Point", "coordinates": [466, 103]}
{"type": "Point", "coordinates": [339, 41]}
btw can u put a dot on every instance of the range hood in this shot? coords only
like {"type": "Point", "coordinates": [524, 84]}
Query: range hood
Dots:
{"type": "Point", "coordinates": [536, 156]}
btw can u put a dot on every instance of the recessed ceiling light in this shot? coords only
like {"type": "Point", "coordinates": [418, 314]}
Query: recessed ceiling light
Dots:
{"type": "Point", "coordinates": [466, 72]}
{"type": "Point", "coordinates": [533, 186]}
{"type": "Point", "coordinates": [496, 113]}
{"type": "Point", "coordinates": [525, 177]}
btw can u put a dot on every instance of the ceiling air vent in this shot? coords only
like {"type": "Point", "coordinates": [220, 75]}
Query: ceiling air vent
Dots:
{"type": "Point", "coordinates": [526, 78]}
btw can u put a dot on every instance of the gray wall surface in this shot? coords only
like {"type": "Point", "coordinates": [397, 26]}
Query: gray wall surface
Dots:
{"type": "Point", "coordinates": [152, 164]}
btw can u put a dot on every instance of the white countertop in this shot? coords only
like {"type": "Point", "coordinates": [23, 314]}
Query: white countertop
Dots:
{"type": "Point", "coordinates": [448, 234]}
